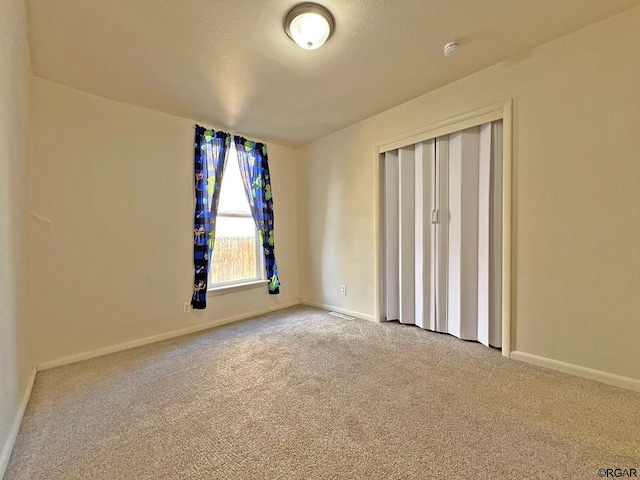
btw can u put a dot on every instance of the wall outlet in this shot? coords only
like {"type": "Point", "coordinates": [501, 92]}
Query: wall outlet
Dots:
{"type": "Point", "coordinates": [186, 308]}
{"type": "Point", "coordinates": [343, 289]}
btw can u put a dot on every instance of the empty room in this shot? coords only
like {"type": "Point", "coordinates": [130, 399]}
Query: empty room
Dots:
{"type": "Point", "coordinates": [351, 239]}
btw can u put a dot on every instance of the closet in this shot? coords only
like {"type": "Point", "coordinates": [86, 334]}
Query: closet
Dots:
{"type": "Point", "coordinates": [442, 215]}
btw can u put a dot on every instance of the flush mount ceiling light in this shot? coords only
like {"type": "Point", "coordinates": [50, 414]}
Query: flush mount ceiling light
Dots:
{"type": "Point", "coordinates": [309, 25]}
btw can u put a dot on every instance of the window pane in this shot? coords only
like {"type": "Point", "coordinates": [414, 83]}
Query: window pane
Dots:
{"type": "Point", "coordinates": [232, 196]}
{"type": "Point", "coordinates": [234, 251]}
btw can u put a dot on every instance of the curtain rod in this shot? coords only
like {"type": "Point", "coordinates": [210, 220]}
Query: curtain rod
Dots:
{"type": "Point", "coordinates": [230, 133]}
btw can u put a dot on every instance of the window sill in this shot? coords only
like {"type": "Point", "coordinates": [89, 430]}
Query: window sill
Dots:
{"type": "Point", "coordinates": [237, 287]}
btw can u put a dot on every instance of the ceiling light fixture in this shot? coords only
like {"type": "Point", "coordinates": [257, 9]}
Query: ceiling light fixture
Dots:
{"type": "Point", "coordinates": [309, 25]}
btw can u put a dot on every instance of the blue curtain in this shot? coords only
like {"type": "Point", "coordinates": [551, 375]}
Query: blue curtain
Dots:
{"type": "Point", "coordinates": [210, 157]}
{"type": "Point", "coordinates": [254, 168]}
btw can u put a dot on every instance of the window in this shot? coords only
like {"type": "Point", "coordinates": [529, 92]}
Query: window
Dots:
{"type": "Point", "coordinates": [237, 253]}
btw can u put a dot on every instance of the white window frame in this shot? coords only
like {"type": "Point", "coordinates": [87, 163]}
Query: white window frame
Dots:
{"type": "Point", "coordinates": [245, 283]}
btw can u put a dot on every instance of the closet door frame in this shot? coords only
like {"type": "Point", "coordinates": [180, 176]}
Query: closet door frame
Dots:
{"type": "Point", "coordinates": [500, 111]}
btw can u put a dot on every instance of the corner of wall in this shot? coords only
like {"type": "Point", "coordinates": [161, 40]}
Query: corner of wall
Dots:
{"type": "Point", "coordinates": [16, 356]}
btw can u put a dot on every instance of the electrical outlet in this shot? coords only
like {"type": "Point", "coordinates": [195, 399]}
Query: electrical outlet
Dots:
{"type": "Point", "coordinates": [186, 308]}
{"type": "Point", "coordinates": [343, 289]}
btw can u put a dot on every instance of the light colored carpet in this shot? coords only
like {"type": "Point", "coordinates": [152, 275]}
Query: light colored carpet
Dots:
{"type": "Point", "coordinates": [299, 394]}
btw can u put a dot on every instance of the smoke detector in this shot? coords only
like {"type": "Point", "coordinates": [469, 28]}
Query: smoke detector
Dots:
{"type": "Point", "coordinates": [450, 49]}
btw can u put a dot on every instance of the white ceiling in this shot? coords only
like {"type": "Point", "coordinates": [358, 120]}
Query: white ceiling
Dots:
{"type": "Point", "coordinates": [229, 62]}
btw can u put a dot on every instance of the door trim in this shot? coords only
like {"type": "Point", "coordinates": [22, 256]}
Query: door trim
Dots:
{"type": "Point", "coordinates": [503, 111]}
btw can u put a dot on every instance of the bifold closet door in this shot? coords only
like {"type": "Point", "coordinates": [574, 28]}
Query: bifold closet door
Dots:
{"type": "Point", "coordinates": [408, 174]}
{"type": "Point", "coordinates": [495, 238]}
{"type": "Point", "coordinates": [391, 236]}
{"type": "Point", "coordinates": [424, 199]}
{"type": "Point", "coordinates": [473, 256]}
{"type": "Point", "coordinates": [442, 234]}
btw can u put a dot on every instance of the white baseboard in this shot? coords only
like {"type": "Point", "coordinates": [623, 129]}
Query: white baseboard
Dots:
{"type": "Point", "coordinates": [324, 306]}
{"type": "Point", "coordinates": [158, 338]}
{"type": "Point", "coordinates": [577, 370]}
{"type": "Point", "coordinates": [15, 428]}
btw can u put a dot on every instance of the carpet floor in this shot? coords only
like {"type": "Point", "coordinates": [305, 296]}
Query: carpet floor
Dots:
{"type": "Point", "coordinates": [300, 394]}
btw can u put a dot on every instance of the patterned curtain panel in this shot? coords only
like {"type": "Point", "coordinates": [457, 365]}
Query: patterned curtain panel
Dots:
{"type": "Point", "coordinates": [254, 168]}
{"type": "Point", "coordinates": [210, 157]}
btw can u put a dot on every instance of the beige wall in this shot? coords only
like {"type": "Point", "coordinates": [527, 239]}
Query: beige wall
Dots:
{"type": "Point", "coordinates": [576, 195]}
{"type": "Point", "coordinates": [111, 252]}
{"type": "Point", "coordinates": [15, 81]}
